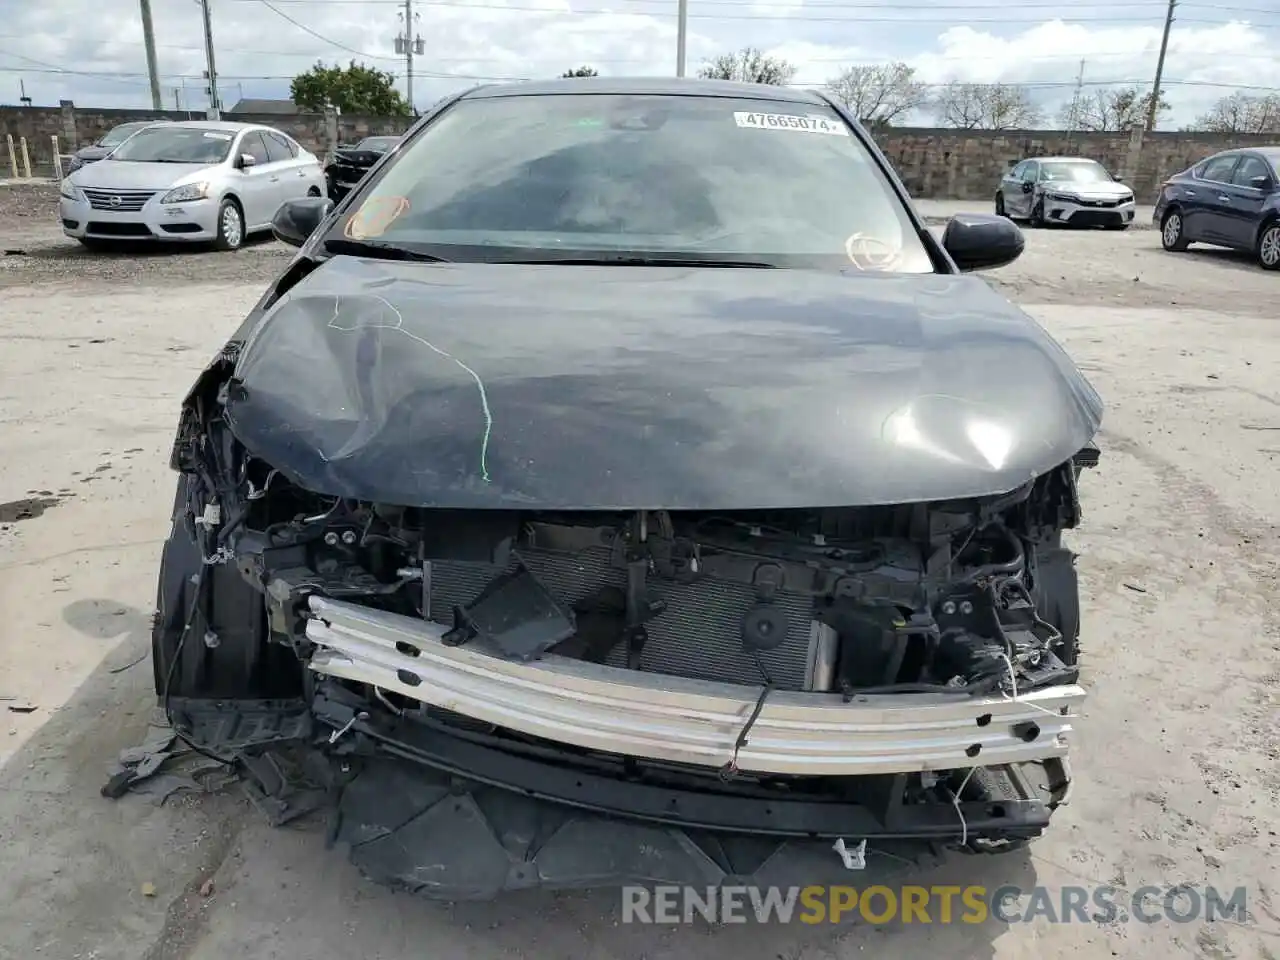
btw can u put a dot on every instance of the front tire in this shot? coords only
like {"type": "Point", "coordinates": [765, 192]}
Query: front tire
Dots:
{"type": "Point", "coordinates": [1037, 214]}
{"type": "Point", "coordinates": [1172, 232]}
{"type": "Point", "coordinates": [1000, 206]}
{"type": "Point", "coordinates": [1268, 248]}
{"type": "Point", "coordinates": [230, 226]}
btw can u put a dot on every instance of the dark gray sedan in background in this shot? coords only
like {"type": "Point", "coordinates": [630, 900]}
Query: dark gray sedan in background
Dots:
{"type": "Point", "coordinates": [108, 142]}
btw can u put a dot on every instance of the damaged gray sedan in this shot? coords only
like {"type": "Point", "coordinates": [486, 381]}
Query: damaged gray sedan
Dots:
{"type": "Point", "coordinates": [622, 485]}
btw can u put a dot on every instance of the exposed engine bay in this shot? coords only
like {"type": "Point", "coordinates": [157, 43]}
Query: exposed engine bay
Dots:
{"type": "Point", "coordinates": [346, 625]}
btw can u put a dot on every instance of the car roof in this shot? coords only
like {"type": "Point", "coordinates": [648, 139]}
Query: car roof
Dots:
{"type": "Point", "coordinates": [223, 126]}
{"type": "Point", "coordinates": [646, 86]}
{"type": "Point", "coordinates": [1064, 160]}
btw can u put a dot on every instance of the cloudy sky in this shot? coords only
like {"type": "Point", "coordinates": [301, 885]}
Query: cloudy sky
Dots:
{"type": "Point", "coordinates": [91, 51]}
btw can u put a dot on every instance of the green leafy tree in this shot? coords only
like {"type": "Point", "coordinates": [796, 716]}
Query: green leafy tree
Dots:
{"type": "Point", "coordinates": [355, 88]}
{"type": "Point", "coordinates": [749, 65]}
{"type": "Point", "coordinates": [581, 72]}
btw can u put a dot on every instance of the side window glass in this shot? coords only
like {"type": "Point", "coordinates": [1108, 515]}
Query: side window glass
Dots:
{"type": "Point", "coordinates": [1019, 170]}
{"type": "Point", "coordinates": [252, 144]}
{"type": "Point", "coordinates": [1032, 173]}
{"type": "Point", "coordinates": [1219, 169]}
{"type": "Point", "coordinates": [277, 148]}
{"type": "Point", "coordinates": [1249, 168]}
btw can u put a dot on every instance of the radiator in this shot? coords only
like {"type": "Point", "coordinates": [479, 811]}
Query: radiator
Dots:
{"type": "Point", "coordinates": [698, 635]}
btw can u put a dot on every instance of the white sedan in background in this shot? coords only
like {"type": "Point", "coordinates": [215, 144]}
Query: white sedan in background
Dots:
{"type": "Point", "coordinates": [198, 181]}
{"type": "Point", "coordinates": [1071, 191]}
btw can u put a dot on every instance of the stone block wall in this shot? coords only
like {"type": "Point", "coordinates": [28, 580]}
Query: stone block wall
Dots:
{"type": "Point", "coordinates": [945, 163]}
{"type": "Point", "coordinates": [968, 164]}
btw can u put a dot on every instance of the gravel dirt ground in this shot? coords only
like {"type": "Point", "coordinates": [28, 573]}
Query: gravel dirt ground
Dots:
{"type": "Point", "coordinates": [1177, 757]}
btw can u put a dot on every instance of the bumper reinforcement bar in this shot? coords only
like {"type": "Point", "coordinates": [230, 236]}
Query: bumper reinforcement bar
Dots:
{"type": "Point", "coordinates": [681, 720]}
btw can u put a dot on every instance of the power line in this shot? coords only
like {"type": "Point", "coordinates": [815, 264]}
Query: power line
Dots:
{"type": "Point", "coordinates": [319, 36]}
{"type": "Point", "coordinates": [953, 58]}
{"type": "Point", "coordinates": [1030, 84]}
{"type": "Point", "coordinates": [802, 18]}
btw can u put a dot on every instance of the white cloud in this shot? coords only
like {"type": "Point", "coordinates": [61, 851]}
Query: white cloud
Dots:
{"type": "Point", "coordinates": [257, 50]}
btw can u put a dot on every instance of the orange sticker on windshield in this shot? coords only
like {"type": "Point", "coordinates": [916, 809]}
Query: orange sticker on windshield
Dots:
{"type": "Point", "coordinates": [374, 217]}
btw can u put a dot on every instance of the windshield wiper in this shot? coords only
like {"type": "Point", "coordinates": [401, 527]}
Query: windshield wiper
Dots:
{"type": "Point", "coordinates": [640, 261]}
{"type": "Point", "coordinates": [379, 251]}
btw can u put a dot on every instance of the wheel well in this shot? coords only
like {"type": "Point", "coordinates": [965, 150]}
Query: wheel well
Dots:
{"type": "Point", "coordinates": [1268, 220]}
{"type": "Point", "coordinates": [236, 200]}
{"type": "Point", "coordinates": [1172, 208]}
{"type": "Point", "coordinates": [313, 191]}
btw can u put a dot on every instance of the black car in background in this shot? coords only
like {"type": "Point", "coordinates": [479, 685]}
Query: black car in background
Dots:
{"type": "Point", "coordinates": [109, 141]}
{"type": "Point", "coordinates": [348, 165]}
{"type": "Point", "coordinates": [1231, 199]}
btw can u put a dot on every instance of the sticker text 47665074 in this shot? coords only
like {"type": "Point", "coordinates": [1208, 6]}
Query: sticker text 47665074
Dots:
{"type": "Point", "coordinates": [785, 121]}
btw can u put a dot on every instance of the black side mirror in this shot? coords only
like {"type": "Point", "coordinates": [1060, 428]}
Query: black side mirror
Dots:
{"type": "Point", "coordinates": [1028, 186]}
{"type": "Point", "coordinates": [296, 220]}
{"type": "Point", "coordinates": [1262, 183]}
{"type": "Point", "coordinates": [981, 241]}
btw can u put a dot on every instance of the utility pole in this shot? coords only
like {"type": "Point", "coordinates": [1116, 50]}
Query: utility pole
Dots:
{"type": "Point", "coordinates": [149, 41]}
{"type": "Point", "coordinates": [211, 73]}
{"type": "Point", "coordinates": [177, 98]}
{"type": "Point", "coordinates": [1074, 121]}
{"type": "Point", "coordinates": [408, 43]}
{"type": "Point", "coordinates": [682, 30]}
{"type": "Point", "coordinates": [1154, 110]}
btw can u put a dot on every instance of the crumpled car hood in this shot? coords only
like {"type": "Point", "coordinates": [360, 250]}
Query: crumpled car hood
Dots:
{"type": "Point", "coordinates": [548, 387]}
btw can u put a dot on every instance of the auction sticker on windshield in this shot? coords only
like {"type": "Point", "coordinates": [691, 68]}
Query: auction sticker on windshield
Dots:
{"type": "Point", "coordinates": [784, 121]}
{"type": "Point", "coordinates": [211, 135]}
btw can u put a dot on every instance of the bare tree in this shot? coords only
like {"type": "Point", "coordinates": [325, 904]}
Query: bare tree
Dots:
{"type": "Point", "coordinates": [1108, 111]}
{"type": "Point", "coordinates": [877, 94]}
{"type": "Point", "coordinates": [1241, 113]}
{"type": "Point", "coordinates": [986, 106]}
{"type": "Point", "coordinates": [749, 65]}
{"type": "Point", "coordinates": [580, 72]}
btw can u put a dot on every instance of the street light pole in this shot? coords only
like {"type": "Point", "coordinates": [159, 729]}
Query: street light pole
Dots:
{"type": "Point", "coordinates": [682, 31]}
{"type": "Point", "coordinates": [149, 43]}
{"type": "Point", "coordinates": [1154, 110]}
{"type": "Point", "coordinates": [215, 104]}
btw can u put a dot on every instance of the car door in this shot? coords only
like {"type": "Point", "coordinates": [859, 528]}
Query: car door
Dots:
{"type": "Point", "coordinates": [1011, 188]}
{"type": "Point", "coordinates": [1027, 188]}
{"type": "Point", "coordinates": [1206, 203]}
{"type": "Point", "coordinates": [291, 183]}
{"type": "Point", "coordinates": [259, 184]}
{"type": "Point", "coordinates": [1251, 184]}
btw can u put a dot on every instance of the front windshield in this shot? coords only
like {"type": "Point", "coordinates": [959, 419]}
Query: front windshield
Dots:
{"type": "Point", "coordinates": [120, 134]}
{"type": "Point", "coordinates": [1076, 171]}
{"type": "Point", "coordinates": [377, 144]}
{"type": "Point", "coordinates": [176, 144]}
{"type": "Point", "coordinates": [583, 176]}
